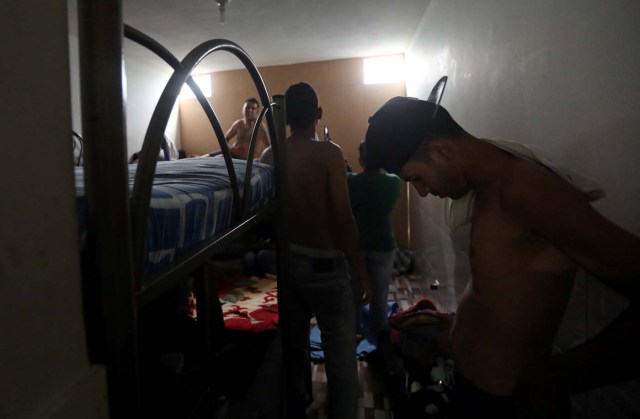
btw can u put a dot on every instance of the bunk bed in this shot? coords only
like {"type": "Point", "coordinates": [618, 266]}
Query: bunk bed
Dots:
{"type": "Point", "coordinates": [127, 265]}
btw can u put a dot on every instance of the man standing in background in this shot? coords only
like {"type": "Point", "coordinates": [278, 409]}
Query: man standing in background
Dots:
{"type": "Point", "coordinates": [373, 196]}
{"type": "Point", "coordinates": [323, 242]}
{"type": "Point", "coordinates": [242, 129]}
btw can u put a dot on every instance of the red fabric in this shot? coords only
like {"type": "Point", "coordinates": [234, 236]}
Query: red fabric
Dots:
{"type": "Point", "coordinates": [249, 303]}
{"type": "Point", "coordinates": [422, 314]}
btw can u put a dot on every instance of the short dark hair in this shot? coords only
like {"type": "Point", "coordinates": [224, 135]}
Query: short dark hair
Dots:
{"type": "Point", "coordinates": [301, 105]}
{"type": "Point", "coordinates": [362, 150]}
{"type": "Point", "coordinates": [252, 100]}
{"type": "Point", "coordinates": [134, 157]}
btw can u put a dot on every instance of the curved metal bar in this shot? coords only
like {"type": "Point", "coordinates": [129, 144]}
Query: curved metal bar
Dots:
{"type": "Point", "coordinates": [78, 142]}
{"type": "Point", "coordinates": [147, 176]}
{"type": "Point", "coordinates": [249, 166]}
{"type": "Point", "coordinates": [438, 90]}
{"type": "Point", "coordinates": [279, 138]}
{"type": "Point", "coordinates": [155, 47]}
{"type": "Point", "coordinates": [151, 145]}
{"type": "Point", "coordinates": [256, 130]}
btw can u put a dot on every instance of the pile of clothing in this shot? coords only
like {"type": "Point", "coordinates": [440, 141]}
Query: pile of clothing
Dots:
{"type": "Point", "coordinates": [428, 375]}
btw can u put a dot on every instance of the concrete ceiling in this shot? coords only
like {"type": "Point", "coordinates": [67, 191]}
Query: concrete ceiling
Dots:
{"type": "Point", "coordinates": [275, 32]}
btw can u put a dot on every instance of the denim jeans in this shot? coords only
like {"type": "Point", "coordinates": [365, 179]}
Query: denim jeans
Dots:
{"type": "Point", "coordinates": [380, 268]}
{"type": "Point", "coordinates": [319, 284]}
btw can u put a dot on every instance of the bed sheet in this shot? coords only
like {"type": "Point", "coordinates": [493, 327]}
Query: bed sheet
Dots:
{"type": "Point", "coordinates": [191, 202]}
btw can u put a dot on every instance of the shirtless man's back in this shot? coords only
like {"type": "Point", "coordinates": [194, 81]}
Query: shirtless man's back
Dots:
{"type": "Point", "coordinates": [314, 177]}
{"type": "Point", "coordinates": [323, 242]}
{"type": "Point", "coordinates": [531, 230]}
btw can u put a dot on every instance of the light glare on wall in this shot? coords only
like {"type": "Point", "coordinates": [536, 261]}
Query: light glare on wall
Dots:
{"type": "Point", "coordinates": [204, 83]}
{"type": "Point", "coordinates": [387, 69]}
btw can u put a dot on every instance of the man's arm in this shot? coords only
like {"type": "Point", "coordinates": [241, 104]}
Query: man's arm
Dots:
{"type": "Point", "coordinates": [346, 228]}
{"type": "Point", "coordinates": [552, 208]}
{"type": "Point", "coordinates": [557, 211]}
{"type": "Point", "coordinates": [232, 132]}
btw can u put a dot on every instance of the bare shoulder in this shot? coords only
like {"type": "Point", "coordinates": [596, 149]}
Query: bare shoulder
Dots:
{"type": "Point", "coordinates": [328, 148]}
{"type": "Point", "coordinates": [545, 202]}
{"type": "Point", "coordinates": [529, 183]}
{"type": "Point", "coordinates": [267, 156]}
{"type": "Point", "coordinates": [234, 127]}
{"type": "Point", "coordinates": [332, 152]}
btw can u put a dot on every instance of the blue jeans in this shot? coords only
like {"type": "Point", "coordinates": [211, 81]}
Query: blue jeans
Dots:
{"type": "Point", "coordinates": [319, 283]}
{"type": "Point", "coordinates": [380, 269]}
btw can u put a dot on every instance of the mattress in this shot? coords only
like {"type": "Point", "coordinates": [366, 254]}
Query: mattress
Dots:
{"type": "Point", "coordinates": [191, 203]}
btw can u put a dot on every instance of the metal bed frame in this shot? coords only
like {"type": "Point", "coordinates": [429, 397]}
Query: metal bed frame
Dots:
{"type": "Point", "coordinates": [116, 222]}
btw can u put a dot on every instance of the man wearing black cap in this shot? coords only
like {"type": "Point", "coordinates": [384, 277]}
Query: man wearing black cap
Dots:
{"type": "Point", "coordinates": [323, 237]}
{"type": "Point", "coordinates": [532, 228]}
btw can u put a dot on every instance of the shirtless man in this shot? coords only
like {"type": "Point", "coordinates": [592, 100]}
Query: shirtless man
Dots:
{"type": "Point", "coordinates": [242, 129]}
{"type": "Point", "coordinates": [531, 230]}
{"type": "Point", "coordinates": [323, 239]}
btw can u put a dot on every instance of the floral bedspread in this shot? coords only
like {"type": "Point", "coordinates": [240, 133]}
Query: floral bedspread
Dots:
{"type": "Point", "coordinates": [249, 303]}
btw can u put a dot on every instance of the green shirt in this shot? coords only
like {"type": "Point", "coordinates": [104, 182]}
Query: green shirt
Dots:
{"type": "Point", "coordinates": [373, 196]}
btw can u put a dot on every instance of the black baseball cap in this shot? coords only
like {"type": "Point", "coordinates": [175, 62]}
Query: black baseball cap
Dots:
{"type": "Point", "coordinates": [399, 126]}
{"type": "Point", "coordinates": [396, 130]}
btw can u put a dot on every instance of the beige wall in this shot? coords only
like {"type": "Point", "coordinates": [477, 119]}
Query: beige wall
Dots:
{"type": "Point", "coordinates": [346, 100]}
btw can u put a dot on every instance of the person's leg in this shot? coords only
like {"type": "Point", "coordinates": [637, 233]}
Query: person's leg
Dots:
{"type": "Point", "coordinates": [356, 289]}
{"type": "Point", "coordinates": [333, 306]}
{"type": "Point", "coordinates": [294, 317]}
{"type": "Point", "coordinates": [380, 268]}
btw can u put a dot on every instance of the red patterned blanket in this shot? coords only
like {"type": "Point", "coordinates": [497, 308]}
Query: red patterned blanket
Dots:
{"type": "Point", "coordinates": [249, 303]}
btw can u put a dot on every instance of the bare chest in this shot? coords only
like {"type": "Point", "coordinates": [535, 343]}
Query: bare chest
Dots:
{"type": "Point", "coordinates": [503, 246]}
{"type": "Point", "coordinates": [245, 130]}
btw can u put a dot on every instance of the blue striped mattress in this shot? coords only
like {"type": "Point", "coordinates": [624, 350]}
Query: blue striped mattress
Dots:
{"type": "Point", "coordinates": [191, 202]}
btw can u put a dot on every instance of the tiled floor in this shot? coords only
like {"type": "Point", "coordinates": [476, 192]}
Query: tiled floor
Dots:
{"type": "Point", "coordinates": [374, 403]}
